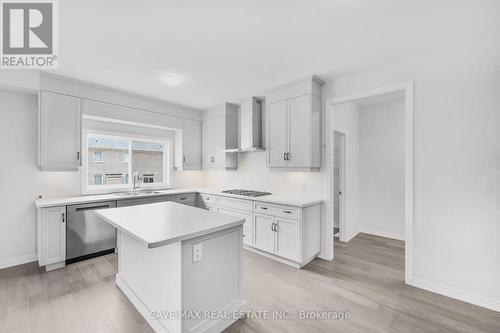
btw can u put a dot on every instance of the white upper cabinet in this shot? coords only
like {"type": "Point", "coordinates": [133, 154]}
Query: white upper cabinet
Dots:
{"type": "Point", "coordinates": [220, 132]}
{"type": "Point", "coordinates": [191, 144]}
{"type": "Point", "coordinates": [59, 131]}
{"type": "Point", "coordinates": [277, 134]}
{"type": "Point", "coordinates": [293, 125]}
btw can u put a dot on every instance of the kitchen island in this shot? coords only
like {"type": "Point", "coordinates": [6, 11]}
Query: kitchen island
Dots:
{"type": "Point", "coordinates": [180, 266]}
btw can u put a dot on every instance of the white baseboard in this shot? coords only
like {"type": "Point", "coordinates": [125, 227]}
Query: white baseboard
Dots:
{"type": "Point", "coordinates": [10, 262]}
{"type": "Point", "coordinates": [464, 296]}
{"type": "Point", "coordinates": [381, 233]}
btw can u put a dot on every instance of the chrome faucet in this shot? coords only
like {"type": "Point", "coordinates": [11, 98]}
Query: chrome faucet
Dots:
{"type": "Point", "coordinates": [136, 182]}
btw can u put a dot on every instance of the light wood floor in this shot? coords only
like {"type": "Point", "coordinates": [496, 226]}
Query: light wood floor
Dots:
{"type": "Point", "coordinates": [365, 279]}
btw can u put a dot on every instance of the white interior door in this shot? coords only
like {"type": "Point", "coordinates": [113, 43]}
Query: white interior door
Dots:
{"type": "Point", "coordinates": [338, 184]}
{"type": "Point", "coordinates": [277, 134]}
{"type": "Point", "coordinates": [299, 114]}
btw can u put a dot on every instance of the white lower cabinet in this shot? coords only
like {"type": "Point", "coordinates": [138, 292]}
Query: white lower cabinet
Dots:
{"type": "Point", "coordinates": [288, 234]}
{"type": "Point", "coordinates": [247, 226]}
{"type": "Point", "coordinates": [247, 236]}
{"type": "Point", "coordinates": [52, 235]}
{"type": "Point", "coordinates": [287, 238]}
{"type": "Point", "coordinates": [264, 233]}
{"type": "Point", "coordinates": [277, 236]}
{"type": "Point", "coordinates": [211, 208]}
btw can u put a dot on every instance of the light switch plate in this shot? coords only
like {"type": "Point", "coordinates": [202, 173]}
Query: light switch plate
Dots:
{"type": "Point", "coordinates": [197, 252]}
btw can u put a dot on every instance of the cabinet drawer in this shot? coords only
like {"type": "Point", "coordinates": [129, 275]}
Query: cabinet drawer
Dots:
{"type": "Point", "coordinates": [234, 203]}
{"type": "Point", "coordinates": [184, 198]}
{"type": "Point", "coordinates": [242, 214]}
{"type": "Point", "coordinates": [207, 199]}
{"type": "Point", "coordinates": [277, 210]}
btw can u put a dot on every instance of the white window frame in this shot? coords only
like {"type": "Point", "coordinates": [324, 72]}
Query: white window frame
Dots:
{"type": "Point", "coordinates": [93, 189]}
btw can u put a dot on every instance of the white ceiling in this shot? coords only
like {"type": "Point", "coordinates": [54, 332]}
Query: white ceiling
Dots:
{"type": "Point", "coordinates": [228, 50]}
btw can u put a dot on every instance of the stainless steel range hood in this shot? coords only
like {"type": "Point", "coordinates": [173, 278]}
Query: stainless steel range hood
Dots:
{"type": "Point", "coordinates": [250, 126]}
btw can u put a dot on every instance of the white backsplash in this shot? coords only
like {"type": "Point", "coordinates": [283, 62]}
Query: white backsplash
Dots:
{"type": "Point", "coordinates": [252, 173]}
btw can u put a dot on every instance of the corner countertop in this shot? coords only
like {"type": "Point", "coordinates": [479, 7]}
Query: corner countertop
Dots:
{"type": "Point", "coordinates": [163, 223]}
{"type": "Point", "coordinates": [298, 199]}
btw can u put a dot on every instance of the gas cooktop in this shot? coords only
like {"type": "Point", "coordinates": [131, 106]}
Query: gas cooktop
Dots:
{"type": "Point", "coordinates": [248, 193]}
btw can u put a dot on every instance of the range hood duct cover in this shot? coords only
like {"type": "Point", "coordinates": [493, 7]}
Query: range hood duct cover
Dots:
{"type": "Point", "coordinates": [250, 126]}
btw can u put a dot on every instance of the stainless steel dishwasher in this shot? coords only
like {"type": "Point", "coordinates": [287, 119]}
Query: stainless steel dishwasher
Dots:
{"type": "Point", "coordinates": [87, 235]}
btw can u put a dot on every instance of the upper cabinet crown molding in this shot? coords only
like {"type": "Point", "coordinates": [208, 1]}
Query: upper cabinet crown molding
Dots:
{"type": "Point", "coordinates": [59, 126]}
{"type": "Point", "coordinates": [309, 85]}
{"type": "Point", "coordinates": [219, 133]}
{"type": "Point", "coordinates": [293, 125]}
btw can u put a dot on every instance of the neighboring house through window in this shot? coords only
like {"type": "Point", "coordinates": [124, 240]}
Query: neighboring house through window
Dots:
{"type": "Point", "coordinates": [97, 156]}
{"type": "Point", "coordinates": [148, 178]}
{"type": "Point", "coordinates": [97, 179]}
{"type": "Point", "coordinates": [111, 159]}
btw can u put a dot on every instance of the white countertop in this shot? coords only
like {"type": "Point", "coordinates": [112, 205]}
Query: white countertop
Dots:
{"type": "Point", "coordinates": [163, 223]}
{"type": "Point", "coordinates": [298, 199]}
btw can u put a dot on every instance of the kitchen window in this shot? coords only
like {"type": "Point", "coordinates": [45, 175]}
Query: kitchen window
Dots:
{"type": "Point", "coordinates": [110, 160]}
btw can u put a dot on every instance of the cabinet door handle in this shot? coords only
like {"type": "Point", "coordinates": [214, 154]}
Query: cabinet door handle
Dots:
{"type": "Point", "coordinates": [272, 226]}
{"type": "Point", "coordinates": [265, 208]}
{"type": "Point", "coordinates": [288, 156]}
{"type": "Point", "coordinates": [77, 155]}
{"type": "Point", "coordinates": [287, 211]}
{"type": "Point", "coordinates": [284, 156]}
{"type": "Point", "coordinates": [63, 217]}
{"type": "Point", "coordinates": [182, 198]}
{"type": "Point", "coordinates": [184, 159]}
{"type": "Point", "coordinates": [276, 226]}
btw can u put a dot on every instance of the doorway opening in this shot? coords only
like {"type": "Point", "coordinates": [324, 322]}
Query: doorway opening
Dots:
{"type": "Point", "coordinates": [366, 158]}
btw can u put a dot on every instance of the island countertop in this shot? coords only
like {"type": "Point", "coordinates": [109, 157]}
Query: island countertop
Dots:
{"type": "Point", "coordinates": [163, 223]}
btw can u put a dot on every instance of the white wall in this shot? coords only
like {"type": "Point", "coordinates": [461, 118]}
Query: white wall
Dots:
{"type": "Point", "coordinates": [382, 169]}
{"type": "Point", "coordinates": [22, 181]}
{"type": "Point", "coordinates": [20, 178]}
{"type": "Point", "coordinates": [456, 165]}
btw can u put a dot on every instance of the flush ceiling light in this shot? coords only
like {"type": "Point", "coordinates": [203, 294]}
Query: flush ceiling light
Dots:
{"type": "Point", "coordinates": [171, 79]}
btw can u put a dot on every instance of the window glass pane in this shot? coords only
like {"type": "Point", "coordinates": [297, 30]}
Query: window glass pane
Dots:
{"type": "Point", "coordinates": [97, 179]}
{"type": "Point", "coordinates": [147, 160]}
{"type": "Point", "coordinates": [97, 155]}
{"type": "Point", "coordinates": [106, 158]}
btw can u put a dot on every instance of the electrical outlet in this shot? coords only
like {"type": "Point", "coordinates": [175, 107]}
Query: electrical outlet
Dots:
{"type": "Point", "coordinates": [197, 252]}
